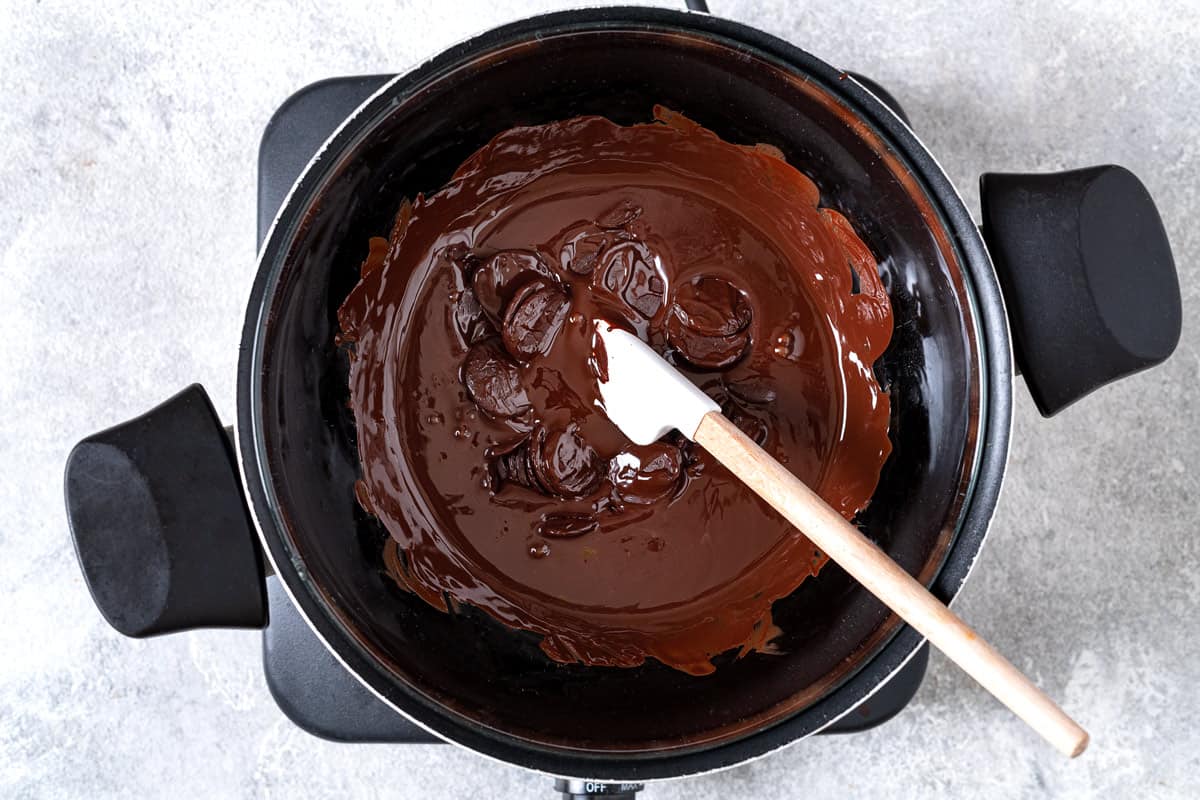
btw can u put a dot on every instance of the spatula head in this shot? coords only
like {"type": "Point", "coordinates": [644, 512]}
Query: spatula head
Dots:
{"type": "Point", "coordinates": [643, 395]}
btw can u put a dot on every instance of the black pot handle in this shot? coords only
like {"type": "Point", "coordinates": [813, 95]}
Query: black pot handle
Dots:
{"type": "Point", "coordinates": [1088, 276]}
{"type": "Point", "coordinates": [160, 524]}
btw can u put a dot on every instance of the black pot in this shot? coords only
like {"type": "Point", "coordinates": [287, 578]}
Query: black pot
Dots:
{"type": "Point", "coordinates": [161, 524]}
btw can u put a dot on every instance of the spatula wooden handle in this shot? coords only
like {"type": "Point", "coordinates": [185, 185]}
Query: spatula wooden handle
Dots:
{"type": "Point", "coordinates": [881, 576]}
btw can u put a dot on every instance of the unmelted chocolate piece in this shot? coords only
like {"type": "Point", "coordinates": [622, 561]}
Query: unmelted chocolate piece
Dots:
{"type": "Point", "coordinates": [534, 316]}
{"type": "Point", "coordinates": [644, 474]}
{"type": "Point", "coordinates": [565, 464]}
{"type": "Point", "coordinates": [470, 320]}
{"type": "Point", "coordinates": [567, 526]}
{"type": "Point", "coordinates": [709, 322]}
{"type": "Point", "coordinates": [711, 252]}
{"type": "Point", "coordinates": [494, 382]}
{"type": "Point", "coordinates": [581, 254]}
{"type": "Point", "coordinates": [712, 306]}
{"type": "Point", "coordinates": [645, 291]}
{"type": "Point", "coordinates": [706, 352]}
{"type": "Point", "coordinates": [497, 279]}
{"type": "Point", "coordinates": [627, 271]}
{"type": "Point", "coordinates": [510, 464]}
{"type": "Point", "coordinates": [555, 463]}
{"type": "Point", "coordinates": [620, 215]}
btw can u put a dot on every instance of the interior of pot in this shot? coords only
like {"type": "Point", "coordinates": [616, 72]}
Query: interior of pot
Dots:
{"type": "Point", "coordinates": [467, 662]}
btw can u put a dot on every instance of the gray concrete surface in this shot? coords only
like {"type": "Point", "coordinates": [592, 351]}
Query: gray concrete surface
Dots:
{"type": "Point", "coordinates": [128, 136]}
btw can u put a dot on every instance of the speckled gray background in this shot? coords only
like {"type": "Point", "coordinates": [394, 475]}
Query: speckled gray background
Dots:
{"type": "Point", "coordinates": [128, 139]}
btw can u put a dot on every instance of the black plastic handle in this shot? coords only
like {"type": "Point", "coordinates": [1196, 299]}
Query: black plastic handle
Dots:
{"type": "Point", "coordinates": [160, 524]}
{"type": "Point", "coordinates": [1088, 276]}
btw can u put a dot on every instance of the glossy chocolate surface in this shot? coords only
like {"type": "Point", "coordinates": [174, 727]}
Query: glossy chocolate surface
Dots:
{"type": "Point", "coordinates": [488, 686]}
{"type": "Point", "coordinates": [483, 450]}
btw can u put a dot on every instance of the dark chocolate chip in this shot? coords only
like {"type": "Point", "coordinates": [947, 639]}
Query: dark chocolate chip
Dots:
{"type": "Point", "coordinates": [712, 306]}
{"type": "Point", "coordinates": [470, 320]}
{"type": "Point", "coordinates": [646, 291]}
{"type": "Point", "coordinates": [533, 319]}
{"type": "Point", "coordinates": [498, 278]}
{"type": "Point", "coordinates": [510, 463]}
{"type": "Point", "coordinates": [706, 352]}
{"type": "Point", "coordinates": [628, 273]}
{"type": "Point", "coordinates": [564, 462]}
{"type": "Point", "coordinates": [709, 322]}
{"type": "Point", "coordinates": [493, 381]}
{"type": "Point", "coordinates": [644, 474]}
{"type": "Point", "coordinates": [567, 526]}
{"type": "Point", "coordinates": [619, 215]}
{"type": "Point", "coordinates": [582, 255]}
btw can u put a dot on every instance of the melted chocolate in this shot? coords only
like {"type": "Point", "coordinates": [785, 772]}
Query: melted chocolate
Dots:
{"type": "Point", "coordinates": [484, 451]}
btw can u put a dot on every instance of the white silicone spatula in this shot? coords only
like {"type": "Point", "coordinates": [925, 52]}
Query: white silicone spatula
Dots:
{"type": "Point", "coordinates": [646, 398]}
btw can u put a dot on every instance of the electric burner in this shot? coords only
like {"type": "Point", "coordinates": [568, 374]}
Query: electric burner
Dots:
{"type": "Point", "coordinates": [307, 682]}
